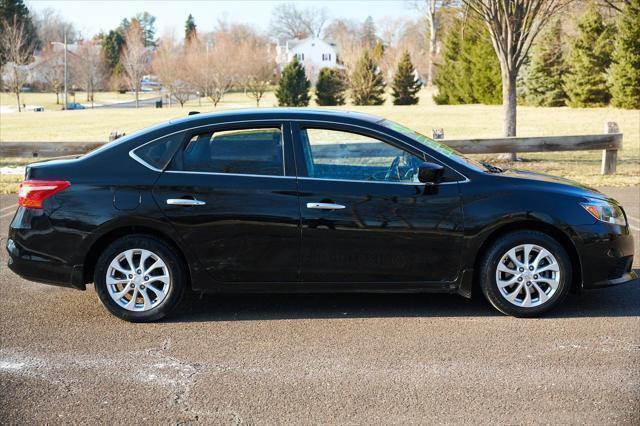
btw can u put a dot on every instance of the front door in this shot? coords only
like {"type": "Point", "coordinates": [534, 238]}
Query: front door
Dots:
{"type": "Point", "coordinates": [366, 217]}
{"type": "Point", "coordinates": [234, 203]}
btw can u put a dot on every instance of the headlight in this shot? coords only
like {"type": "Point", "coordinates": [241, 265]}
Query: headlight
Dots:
{"type": "Point", "coordinates": [605, 212]}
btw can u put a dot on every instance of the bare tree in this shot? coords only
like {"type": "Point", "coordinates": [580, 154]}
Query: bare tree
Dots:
{"type": "Point", "coordinates": [51, 27]}
{"type": "Point", "coordinates": [617, 5]}
{"type": "Point", "coordinates": [89, 68]}
{"type": "Point", "coordinates": [170, 65]}
{"type": "Point", "coordinates": [289, 22]}
{"type": "Point", "coordinates": [258, 68]}
{"type": "Point", "coordinates": [433, 14]}
{"type": "Point", "coordinates": [513, 26]}
{"type": "Point", "coordinates": [51, 70]}
{"type": "Point", "coordinates": [18, 50]}
{"type": "Point", "coordinates": [199, 61]}
{"type": "Point", "coordinates": [346, 35]}
{"type": "Point", "coordinates": [135, 58]}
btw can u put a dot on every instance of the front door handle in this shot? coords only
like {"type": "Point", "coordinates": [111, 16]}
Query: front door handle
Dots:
{"type": "Point", "coordinates": [325, 206]}
{"type": "Point", "coordinates": [185, 202]}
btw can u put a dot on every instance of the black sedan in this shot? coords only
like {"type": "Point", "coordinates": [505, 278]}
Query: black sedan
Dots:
{"type": "Point", "coordinates": [298, 200]}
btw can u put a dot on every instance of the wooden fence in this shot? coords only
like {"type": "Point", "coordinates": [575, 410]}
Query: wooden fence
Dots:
{"type": "Point", "coordinates": [609, 143]}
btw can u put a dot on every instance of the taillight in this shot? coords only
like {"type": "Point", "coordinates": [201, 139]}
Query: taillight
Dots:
{"type": "Point", "coordinates": [33, 192]}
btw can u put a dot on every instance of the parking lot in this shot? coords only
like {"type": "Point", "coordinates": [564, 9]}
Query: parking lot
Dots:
{"type": "Point", "coordinates": [356, 358]}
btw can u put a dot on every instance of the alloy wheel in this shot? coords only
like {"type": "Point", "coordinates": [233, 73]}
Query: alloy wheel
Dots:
{"type": "Point", "coordinates": [138, 280]}
{"type": "Point", "coordinates": [528, 275]}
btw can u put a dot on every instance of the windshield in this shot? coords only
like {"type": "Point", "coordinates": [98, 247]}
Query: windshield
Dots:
{"type": "Point", "coordinates": [443, 149]}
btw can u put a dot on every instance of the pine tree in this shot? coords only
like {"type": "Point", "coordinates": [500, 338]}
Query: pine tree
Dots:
{"type": "Point", "coordinates": [369, 37]}
{"type": "Point", "coordinates": [189, 29]}
{"type": "Point", "coordinates": [485, 80]}
{"type": "Point", "coordinates": [625, 70]}
{"type": "Point", "coordinates": [293, 89]}
{"type": "Point", "coordinates": [469, 71]}
{"type": "Point", "coordinates": [367, 85]}
{"type": "Point", "coordinates": [406, 85]}
{"type": "Point", "coordinates": [586, 81]}
{"type": "Point", "coordinates": [331, 87]}
{"type": "Point", "coordinates": [378, 51]}
{"type": "Point", "coordinates": [543, 85]}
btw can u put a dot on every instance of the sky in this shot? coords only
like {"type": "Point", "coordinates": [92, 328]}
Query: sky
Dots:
{"type": "Point", "coordinates": [92, 16]}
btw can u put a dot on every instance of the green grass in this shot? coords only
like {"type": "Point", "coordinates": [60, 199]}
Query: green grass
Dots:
{"type": "Point", "coordinates": [460, 121]}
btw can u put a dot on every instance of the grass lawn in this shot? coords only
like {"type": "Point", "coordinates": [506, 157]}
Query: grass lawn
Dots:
{"type": "Point", "coordinates": [458, 122]}
{"type": "Point", "coordinates": [48, 100]}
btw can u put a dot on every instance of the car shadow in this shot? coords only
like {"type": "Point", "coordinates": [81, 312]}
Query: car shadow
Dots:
{"type": "Point", "coordinates": [619, 301]}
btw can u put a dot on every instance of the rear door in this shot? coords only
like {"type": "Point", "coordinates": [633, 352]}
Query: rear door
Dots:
{"type": "Point", "coordinates": [231, 193]}
{"type": "Point", "coordinates": [366, 217]}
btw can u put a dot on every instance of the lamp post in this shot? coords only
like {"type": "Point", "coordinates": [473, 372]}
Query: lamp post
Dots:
{"type": "Point", "coordinates": [66, 100]}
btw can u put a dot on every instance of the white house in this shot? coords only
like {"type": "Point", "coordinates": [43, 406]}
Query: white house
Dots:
{"type": "Point", "coordinates": [313, 53]}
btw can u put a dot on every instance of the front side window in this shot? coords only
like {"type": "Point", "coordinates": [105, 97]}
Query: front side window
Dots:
{"type": "Point", "coordinates": [243, 151]}
{"type": "Point", "coordinates": [342, 155]}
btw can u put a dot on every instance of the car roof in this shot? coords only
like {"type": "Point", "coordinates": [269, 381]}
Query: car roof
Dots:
{"type": "Point", "coordinates": [276, 114]}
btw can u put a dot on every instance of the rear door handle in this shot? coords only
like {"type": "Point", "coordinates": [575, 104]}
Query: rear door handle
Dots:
{"type": "Point", "coordinates": [185, 202]}
{"type": "Point", "coordinates": [325, 206]}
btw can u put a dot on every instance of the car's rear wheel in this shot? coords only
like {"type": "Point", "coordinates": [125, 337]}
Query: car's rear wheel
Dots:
{"type": "Point", "coordinates": [139, 278]}
{"type": "Point", "coordinates": [525, 273]}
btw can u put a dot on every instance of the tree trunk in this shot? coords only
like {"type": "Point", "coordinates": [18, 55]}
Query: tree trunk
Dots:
{"type": "Point", "coordinates": [509, 108]}
{"type": "Point", "coordinates": [137, 103]}
{"type": "Point", "coordinates": [432, 49]}
{"type": "Point", "coordinates": [57, 98]}
{"type": "Point", "coordinates": [18, 97]}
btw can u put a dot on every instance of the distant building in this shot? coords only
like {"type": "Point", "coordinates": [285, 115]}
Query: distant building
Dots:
{"type": "Point", "coordinates": [313, 53]}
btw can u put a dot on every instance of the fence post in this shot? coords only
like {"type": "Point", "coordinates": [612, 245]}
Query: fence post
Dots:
{"type": "Point", "coordinates": [610, 156]}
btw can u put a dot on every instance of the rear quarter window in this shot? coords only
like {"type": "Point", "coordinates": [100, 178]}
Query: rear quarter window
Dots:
{"type": "Point", "coordinates": [159, 152]}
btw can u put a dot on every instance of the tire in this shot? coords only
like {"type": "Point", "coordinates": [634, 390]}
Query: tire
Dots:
{"type": "Point", "coordinates": [158, 288]}
{"type": "Point", "coordinates": [525, 287]}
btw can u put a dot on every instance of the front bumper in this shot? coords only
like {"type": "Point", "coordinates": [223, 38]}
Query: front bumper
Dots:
{"type": "Point", "coordinates": [606, 255]}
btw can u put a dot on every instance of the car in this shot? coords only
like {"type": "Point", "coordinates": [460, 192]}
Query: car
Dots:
{"type": "Point", "coordinates": [73, 106]}
{"type": "Point", "coordinates": [304, 200]}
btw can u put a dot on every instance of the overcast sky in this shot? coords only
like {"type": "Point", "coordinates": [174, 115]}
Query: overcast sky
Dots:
{"type": "Point", "coordinates": [92, 16]}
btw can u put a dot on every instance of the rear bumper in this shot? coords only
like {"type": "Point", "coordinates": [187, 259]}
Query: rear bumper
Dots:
{"type": "Point", "coordinates": [43, 269]}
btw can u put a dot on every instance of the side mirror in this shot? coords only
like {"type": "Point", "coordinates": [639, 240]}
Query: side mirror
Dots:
{"type": "Point", "coordinates": [430, 172]}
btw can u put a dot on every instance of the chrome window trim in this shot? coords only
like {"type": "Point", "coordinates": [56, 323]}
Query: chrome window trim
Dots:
{"type": "Point", "coordinates": [144, 163]}
{"type": "Point", "coordinates": [229, 174]}
{"type": "Point", "coordinates": [380, 181]}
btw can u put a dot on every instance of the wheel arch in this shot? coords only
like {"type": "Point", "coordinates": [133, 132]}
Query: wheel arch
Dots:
{"type": "Point", "coordinates": [101, 243]}
{"type": "Point", "coordinates": [554, 232]}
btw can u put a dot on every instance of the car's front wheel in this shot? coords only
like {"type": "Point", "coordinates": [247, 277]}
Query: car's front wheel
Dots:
{"type": "Point", "coordinates": [525, 273]}
{"type": "Point", "coordinates": [139, 278]}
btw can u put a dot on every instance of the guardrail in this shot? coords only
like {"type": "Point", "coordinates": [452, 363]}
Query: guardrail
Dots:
{"type": "Point", "coordinates": [609, 142]}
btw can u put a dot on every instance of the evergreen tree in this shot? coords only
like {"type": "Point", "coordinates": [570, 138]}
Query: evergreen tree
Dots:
{"type": "Point", "coordinates": [406, 85]}
{"type": "Point", "coordinates": [16, 9]}
{"type": "Point", "coordinates": [331, 87]}
{"type": "Point", "coordinates": [625, 70]}
{"type": "Point", "coordinates": [543, 85]}
{"type": "Point", "coordinates": [378, 51]}
{"type": "Point", "coordinates": [369, 37]}
{"type": "Point", "coordinates": [112, 48]}
{"type": "Point", "coordinates": [485, 80]}
{"type": "Point", "coordinates": [367, 85]}
{"type": "Point", "coordinates": [189, 29]}
{"type": "Point", "coordinates": [469, 71]}
{"type": "Point", "coordinates": [586, 81]}
{"type": "Point", "coordinates": [293, 89]}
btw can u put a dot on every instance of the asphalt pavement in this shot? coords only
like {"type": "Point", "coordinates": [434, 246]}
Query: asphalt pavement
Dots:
{"type": "Point", "coordinates": [308, 359]}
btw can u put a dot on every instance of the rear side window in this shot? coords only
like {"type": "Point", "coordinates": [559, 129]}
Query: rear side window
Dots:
{"type": "Point", "coordinates": [242, 151]}
{"type": "Point", "coordinates": [159, 152]}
